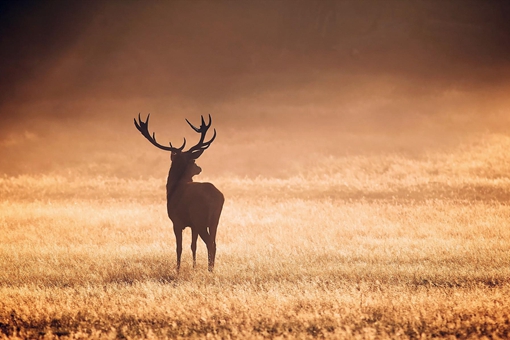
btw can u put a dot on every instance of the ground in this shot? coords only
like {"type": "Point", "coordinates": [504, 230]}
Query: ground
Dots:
{"type": "Point", "coordinates": [374, 246]}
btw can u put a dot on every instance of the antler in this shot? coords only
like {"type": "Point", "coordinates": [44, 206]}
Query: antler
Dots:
{"type": "Point", "coordinates": [143, 127]}
{"type": "Point", "coordinates": [201, 146]}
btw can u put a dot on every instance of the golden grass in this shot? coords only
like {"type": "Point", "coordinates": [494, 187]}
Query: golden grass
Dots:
{"type": "Point", "coordinates": [369, 247]}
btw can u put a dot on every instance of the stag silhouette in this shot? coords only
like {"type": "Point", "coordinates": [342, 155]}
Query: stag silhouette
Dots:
{"type": "Point", "coordinates": [190, 204]}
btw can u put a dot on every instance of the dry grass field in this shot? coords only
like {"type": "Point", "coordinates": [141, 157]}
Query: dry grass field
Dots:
{"type": "Point", "coordinates": [367, 247]}
{"type": "Point", "coordinates": [363, 149]}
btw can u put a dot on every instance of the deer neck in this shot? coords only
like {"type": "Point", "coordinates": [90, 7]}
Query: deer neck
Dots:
{"type": "Point", "coordinates": [176, 181]}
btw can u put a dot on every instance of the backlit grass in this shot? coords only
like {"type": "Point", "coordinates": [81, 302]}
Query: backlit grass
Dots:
{"type": "Point", "coordinates": [382, 246]}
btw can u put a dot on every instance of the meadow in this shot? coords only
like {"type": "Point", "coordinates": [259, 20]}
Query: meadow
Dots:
{"type": "Point", "coordinates": [380, 246]}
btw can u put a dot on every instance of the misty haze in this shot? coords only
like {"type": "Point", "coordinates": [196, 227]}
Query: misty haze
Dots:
{"type": "Point", "coordinates": [362, 149]}
{"type": "Point", "coordinates": [305, 78]}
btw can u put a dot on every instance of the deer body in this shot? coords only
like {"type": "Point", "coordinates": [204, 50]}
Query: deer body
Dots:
{"type": "Point", "coordinates": [190, 204]}
{"type": "Point", "coordinates": [198, 206]}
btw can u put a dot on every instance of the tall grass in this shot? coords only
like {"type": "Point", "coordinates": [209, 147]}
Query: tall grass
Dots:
{"type": "Point", "coordinates": [382, 246]}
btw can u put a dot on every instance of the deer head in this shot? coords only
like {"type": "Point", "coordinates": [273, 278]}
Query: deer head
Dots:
{"type": "Point", "coordinates": [183, 162]}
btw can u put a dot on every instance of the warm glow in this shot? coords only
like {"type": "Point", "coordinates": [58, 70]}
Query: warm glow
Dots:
{"type": "Point", "coordinates": [362, 149]}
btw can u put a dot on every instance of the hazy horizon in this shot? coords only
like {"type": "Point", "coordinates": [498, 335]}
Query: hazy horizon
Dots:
{"type": "Point", "coordinates": [284, 81]}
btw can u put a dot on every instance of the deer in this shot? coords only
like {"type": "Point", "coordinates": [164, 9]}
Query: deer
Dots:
{"type": "Point", "coordinates": [190, 204]}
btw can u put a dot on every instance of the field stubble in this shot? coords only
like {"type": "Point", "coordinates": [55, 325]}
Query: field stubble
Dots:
{"type": "Point", "coordinates": [357, 247]}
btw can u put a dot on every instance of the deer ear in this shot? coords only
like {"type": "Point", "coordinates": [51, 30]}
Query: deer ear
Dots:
{"type": "Point", "coordinates": [172, 155]}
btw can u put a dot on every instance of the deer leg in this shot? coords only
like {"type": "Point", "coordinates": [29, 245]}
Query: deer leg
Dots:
{"type": "Point", "coordinates": [194, 237]}
{"type": "Point", "coordinates": [213, 227]}
{"type": "Point", "coordinates": [212, 251]}
{"type": "Point", "coordinates": [212, 254]}
{"type": "Point", "coordinates": [178, 241]}
{"type": "Point", "coordinates": [204, 235]}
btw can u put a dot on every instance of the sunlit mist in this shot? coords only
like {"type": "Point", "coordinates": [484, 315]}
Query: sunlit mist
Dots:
{"type": "Point", "coordinates": [282, 80]}
{"type": "Point", "coordinates": [362, 150]}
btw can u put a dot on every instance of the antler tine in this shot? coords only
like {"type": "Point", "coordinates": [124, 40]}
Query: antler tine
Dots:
{"type": "Point", "coordinates": [205, 145]}
{"type": "Point", "coordinates": [139, 120]}
{"type": "Point", "coordinates": [200, 147]}
{"type": "Point", "coordinates": [182, 146]}
{"type": "Point", "coordinates": [192, 126]}
{"type": "Point", "coordinates": [143, 127]}
{"type": "Point", "coordinates": [202, 126]}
